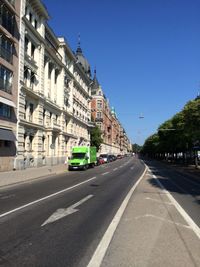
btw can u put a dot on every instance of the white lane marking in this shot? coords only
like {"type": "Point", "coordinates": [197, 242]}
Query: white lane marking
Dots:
{"type": "Point", "coordinates": [44, 198]}
{"type": "Point", "coordinates": [105, 173]}
{"type": "Point", "coordinates": [132, 168]}
{"type": "Point", "coordinates": [99, 253]}
{"type": "Point", "coordinates": [187, 218]}
{"type": "Point", "coordinates": [120, 166]}
{"type": "Point", "coordinates": [115, 169]}
{"type": "Point", "coordinates": [60, 213]}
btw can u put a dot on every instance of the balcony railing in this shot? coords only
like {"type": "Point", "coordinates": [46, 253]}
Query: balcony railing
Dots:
{"type": "Point", "coordinates": [99, 119]}
{"type": "Point", "coordinates": [5, 86]}
{"type": "Point", "coordinates": [56, 126]}
{"type": "Point", "coordinates": [7, 55]}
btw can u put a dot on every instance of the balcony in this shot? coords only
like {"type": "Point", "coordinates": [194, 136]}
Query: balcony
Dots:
{"type": "Point", "coordinates": [5, 86]}
{"type": "Point", "coordinates": [53, 125]}
{"type": "Point", "coordinates": [31, 63]}
{"type": "Point", "coordinates": [91, 124]}
{"type": "Point", "coordinates": [98, 119]}
{"type": "Point", "coordinates": [7, 55]}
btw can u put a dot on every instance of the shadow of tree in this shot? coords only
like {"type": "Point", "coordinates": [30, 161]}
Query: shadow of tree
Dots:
{"type": "Point", "coordinates": [173, 180]}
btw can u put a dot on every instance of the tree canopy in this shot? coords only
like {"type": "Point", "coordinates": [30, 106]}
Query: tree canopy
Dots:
{"type": "Point", "coordinates": [96, 139]}
{"type": "Point", "coordinates": [178, 134]}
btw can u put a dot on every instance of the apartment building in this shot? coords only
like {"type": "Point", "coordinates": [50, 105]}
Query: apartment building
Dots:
{"type": "Point", "coordinates": [45, 92]}
{"type": "Point", "coordinates": [54, 93]}
{"type": "Point", "coordinates": [104, 118]}
{"type": "Point", "coordinates": [9, 56]}
{"type": "Point", "coordinates": [77, 74]}
{"type": "Point", "coordinates": [115, 140]}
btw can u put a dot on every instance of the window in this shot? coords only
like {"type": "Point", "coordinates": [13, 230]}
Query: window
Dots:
{"type": "Point", "coordinates": [5, 110]}
{"type": "Point", "coordinates": [7, 143]}
{"type": "Point", "coordinates": [99, 104]}
{"type": "Point", "coordinates": [6, 49]}
{"type": "Point", "coordinates": [35, 24]}
{"type": "Point", "coordinates": [7, 19]}
{"type": "Point", "coordinates": [33, 78]}
{"type": "Point", "coordinates": [25, 73]}
{"type": "Point", "coordinates": [31, 143]}
{"type": "Point", "coordinates": [5, 79]}
{"type": "Point", "coordinates": [31, 109]}
{"type": "Point", "coordinates": [26, 44]}
{"type": "Point", "coordinates": [32, 50]}
{"type": "Point", "coordinates": [30, 17]}
{"type": "Point", "coordinates": [98, 115]}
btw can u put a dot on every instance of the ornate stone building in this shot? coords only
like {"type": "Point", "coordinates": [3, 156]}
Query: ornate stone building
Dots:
{"type": "Point", "coordinates": [115, 140]}
{"type": "Point", "coordinates": [54, 93]}
{"type": "Point", "coordinates": [9, 50]}
{"type": "Point", "coordinates": [45, 92]}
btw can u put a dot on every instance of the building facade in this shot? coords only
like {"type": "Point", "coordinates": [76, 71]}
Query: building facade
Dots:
{"type": "Point", "coordinates": [54, 93]}
{"type": "Point", "coordinates": [45, 92]}
{"type": "Point", "coordinates": [9, 62]}
{"type": "Point", "coordinates": [115, 140]}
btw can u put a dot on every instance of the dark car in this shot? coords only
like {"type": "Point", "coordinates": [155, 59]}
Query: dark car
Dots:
{"type": "Point", "coordinates": [110, 158]}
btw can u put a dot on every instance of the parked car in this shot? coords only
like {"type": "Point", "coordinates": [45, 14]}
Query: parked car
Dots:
{"type": "Point", "coordinates": [114, 157]}
{"type": "Point", "coordinates": [110, 158]}
{"type": "Point", "coordinates": [119, 156]}
{"type": "Point", "coordinates": [104, 157]}
{"type": "Point", "coordinates": [100, 161]}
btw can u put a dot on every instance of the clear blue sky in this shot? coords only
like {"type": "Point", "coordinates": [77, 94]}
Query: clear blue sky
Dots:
{"type": "Point", "coordinates": [146, 52]}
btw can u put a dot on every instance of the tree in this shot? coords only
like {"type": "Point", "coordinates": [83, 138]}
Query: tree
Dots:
{"type": "Point", "coordinates": [136, 148]}
{"type": "Point", "coordinates": [191, 114]}
{"type": "Point", "coordinates": [95, 137]}
{"type": "Point", "coordinates": [151, 145]}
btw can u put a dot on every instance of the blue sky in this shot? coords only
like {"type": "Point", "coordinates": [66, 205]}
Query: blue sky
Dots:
{"type": "Point", "coordinates": [146, 52]}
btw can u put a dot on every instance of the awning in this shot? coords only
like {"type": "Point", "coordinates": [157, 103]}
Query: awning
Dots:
{"type": "Point", "coordinates": [7, 135]}
{"type": "Point", "coordinates": [7, 102]}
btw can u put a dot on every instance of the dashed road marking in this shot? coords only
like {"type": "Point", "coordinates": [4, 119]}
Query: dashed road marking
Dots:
{"type": "Point", "coordinates": [105, 173]}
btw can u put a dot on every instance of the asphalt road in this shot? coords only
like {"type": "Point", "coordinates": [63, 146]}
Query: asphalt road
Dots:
{"type": "Point", "coordinates": [59, 221]}
{"type": "Point", "coordinates": [89, 201]}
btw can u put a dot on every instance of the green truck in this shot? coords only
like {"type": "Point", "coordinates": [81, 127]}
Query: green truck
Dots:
{"type": "Point", "coordinates": [82, 157]}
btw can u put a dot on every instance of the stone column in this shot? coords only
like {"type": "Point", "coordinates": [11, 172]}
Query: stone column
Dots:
{"type": "Point", "coordinates": [53, 83]}
{"type": "Point", "coordinates": [46, 71]}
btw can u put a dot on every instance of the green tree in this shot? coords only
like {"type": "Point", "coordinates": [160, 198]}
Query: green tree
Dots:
{"type": "Point", "coordinates": [136, 148]}
{"type": "Point", "coordinates": [151, 145]}
{"type": "Point", "coordinates": [191, 114]}
{"type": "Point", "coordinates": [95, 137]}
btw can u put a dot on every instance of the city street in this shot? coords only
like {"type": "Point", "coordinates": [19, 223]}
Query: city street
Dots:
{"type": "Point", "coordinates": [60, 221]}
{"type": "Point", "coordinates": [90, 200]}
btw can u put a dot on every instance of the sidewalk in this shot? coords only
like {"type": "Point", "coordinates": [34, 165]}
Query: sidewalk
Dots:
{"type": "Point", "coordinates": [152, 232]}
{"type": "Point", "coordinates": [19, 176]}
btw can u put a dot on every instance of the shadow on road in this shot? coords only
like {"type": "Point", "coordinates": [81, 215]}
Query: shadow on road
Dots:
{"type": "Point", "coordinates": [174, 180]}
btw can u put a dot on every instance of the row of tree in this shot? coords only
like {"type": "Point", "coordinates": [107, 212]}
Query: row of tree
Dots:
{"type": "Point", "coordinates": [178, 137]}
